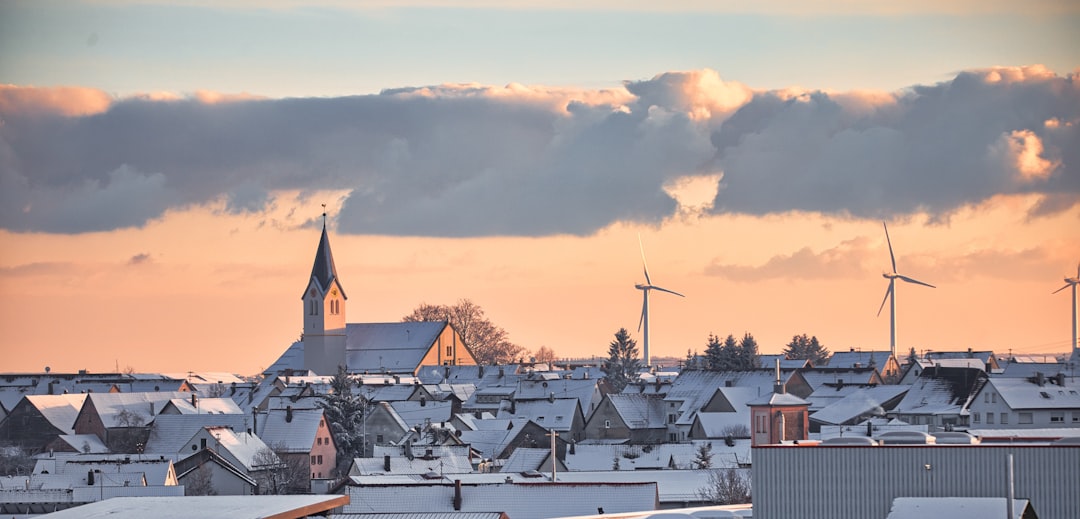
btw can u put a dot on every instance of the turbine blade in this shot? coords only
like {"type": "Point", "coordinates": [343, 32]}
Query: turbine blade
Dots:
{"type": "Point", "coordinates": [644, 306]}
{"type": "Point", "coordinates": [1078, 269]}
{"type": "Point", "coordinates": [666, 290]}
{"type": "Point", "coordinates": [644, 264]}
{"type": "Point", "coordinates": [1067, 285]}
{"type": "Point", "coordinates": [917, 282]}
{"type": "Point", "coordinates": [888, 292]}
{"type": "Point", "coordinates": [887, 240]}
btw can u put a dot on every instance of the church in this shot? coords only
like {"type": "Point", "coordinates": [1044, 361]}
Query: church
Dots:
{"type": "Point", "coordinates": [328, 341]}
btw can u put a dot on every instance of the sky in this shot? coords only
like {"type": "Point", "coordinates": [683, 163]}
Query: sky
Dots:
{"type": "Point", "coordinates": [164, 165]}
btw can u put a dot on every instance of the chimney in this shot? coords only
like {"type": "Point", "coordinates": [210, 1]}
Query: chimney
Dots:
{"type": "Point", "coordinates": [551, 397]}
{"type": "Point", "coordinates": [194, 400]}
{"type": "Point", "coordinates": [1039, 379]}
{"type": "Point", "coordinates": [480, 373]}
{"type": "Point", "coordinates": [288, 414]}
{"type": "Point", "coordinates": [151, 409]}
{"type": "Point", "coordinates": [457, 495]}
{"type": "Point", "coordinates": [502, 371]}
{"type": "Point", "coordinates": [90, 478]}
{"type": "Point", "coordinates": [423, 401]}
{"type": "Point", "coordinates": [386, 463]}
{"type": "Point", "coordinates": [778, 387]}
{"type": "Point", "coordinates": [1060, 379]}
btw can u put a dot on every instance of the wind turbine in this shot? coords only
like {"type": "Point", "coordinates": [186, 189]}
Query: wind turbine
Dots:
{"type": "Point", "coordinates": [890, 293]}
{"type": "Point", "coordinates": [1072, 282]}
{"type": "Point", "coordinates": [645, 289]}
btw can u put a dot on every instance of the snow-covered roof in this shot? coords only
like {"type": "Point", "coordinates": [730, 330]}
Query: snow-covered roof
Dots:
{"type": "Point", "coordinates": [951, 507]}
{"type": "Point", "coordinates": [524, 459]}
{"type": "Point", "coordinates": [930, 396]}
{"type": "Point", "coordinates": [599, 457]}
{"type": "Point", "coordinates": [418, 413]}
{"type": "Point", "coordinates": [451, 464]}
{"type": "Point", "coordinates": [673, 486]}
{"type": "Point", "coordinates": [169, 433]}
{"type": "Point", "coordinates": [862, 402]}
{"type": "Point", "coordinates": [778, 399]}
{"type": "Point", "coordinates": [396, 347]}
{"type": "Point", "coordinates": [85, 443]}
{"type": "Point", "coordinates": [1029, 369]}
{"type": "Point", "coordinates": [60, 410]}
{"type": "Point", "coordinates": [857, 358]}
{"type": "Point", "coordinates": [558, 414]}
{"type": "Point", "coordinates": [205, 406]}
{"type": "Point", "coordinates": [832, 376]}
{"type": "Point", "coordinates": [139, 406]}
{"type": "Point", "coordinates": [204, 507]}
{"type": "Point", "coordinates": [1021, 393]}
{"type": "Point", "coordinates": [639, 411]}
{"type": "Point", "coordinates": [290, 435]}
{"type": "Point", "coordinates": [584, 390]}
{"type": "Point", "coordinates": [292, 359]}
{"type": "Point", "coordinates": [386, 392]}
{"type": "Point", "coordinates": [240, 448]}
{"type": "Point", "coordinates": [517, 500]}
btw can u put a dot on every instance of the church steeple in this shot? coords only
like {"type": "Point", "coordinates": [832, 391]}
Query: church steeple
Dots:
{"type": "Point", "coordinates": [324, 272]}
{"type": "Point", "coordinates": [324, 312]}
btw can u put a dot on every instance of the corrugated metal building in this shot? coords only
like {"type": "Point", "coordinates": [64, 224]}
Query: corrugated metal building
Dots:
{"type": "Point", "coordinates": [834, 482]}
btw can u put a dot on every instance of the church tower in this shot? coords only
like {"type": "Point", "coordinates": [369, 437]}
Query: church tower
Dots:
{"type": "Point", "coordinates": [324, 313]}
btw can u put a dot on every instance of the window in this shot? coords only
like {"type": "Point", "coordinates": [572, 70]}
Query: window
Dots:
{"type": "Point", "coordinates": [202, 441]}
{"type": "Point", "coordinates": [1057, 417]}
{"type": "Point", "coordinates": [974, 417]}
{"type": "Point", "coordinates": [1076, 417]}
{"type": "Point", "coordinates": [318, 441]}
{"type": "Point", "coordinates": [378, 438]}
{"type": "Point", "coordinates": [989, 418]}
{"type": "Point", "coordinates": [993, 398]}
{"type": "Point", "coordinates": [449, 351]}
{"type": "Point", "coordinates": [986, 397]}
{"type": "Point", "coordinates": [673, 437]}
{"type": "Point", "coordinates": [1025, 418]}
{"type": "Point", "coordinates": [671, 418]}
{"type": "Point", "coordinates": [320, 459]}
{"type": "Point", "coordinates": [313, 462]}
{"type": "Point", "coordinates": [1004, 418]}
{"type": "Point", "coordinates": [607, 424]}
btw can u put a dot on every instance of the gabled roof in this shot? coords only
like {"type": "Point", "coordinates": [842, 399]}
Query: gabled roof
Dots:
{"type": "Point", "coordinates": [60, 410]}
{"type": "Point", "coordinates": [451, 464]}
{"type": "Point", "coordinates": [558, 414]}
{"type": "Point", "coordinates": [778, 399]}
{"type": "Point", "coordinates": [818, 377]}
{"type": "Point", "coordinates": [292, 359]}
{"type": "Point", "coordinates": [862, 402]}
{"type": "Point", "coordinates": [241, 448]}
{"type": "Point", "coordinates": [1029, 369]}
{"type": "Point", "coordinates": [418, 413]}
{"type": "Point", "coordinates": [292, 436]}
{"type": "Point", "coordinates": [170, 433]}
{"type": "Point", "coordinates": [204, 406]}
{"type": "Point", "coordinates": [395, 347]}
{"type": "Point", "coordinates": [140, 406]}
{"type": "Point", "coordinates": [1021, 393]}
{"type": "Point", "coordinates": [851, 359]}
{"type": "Point", "coordinates": [85, 443]}
{"type": "Point", "coordinates": [940, 391]}
{"type": "Point", "coordinates": [639, 411]}
{"type": "Point", "coordinates": [323, 271]}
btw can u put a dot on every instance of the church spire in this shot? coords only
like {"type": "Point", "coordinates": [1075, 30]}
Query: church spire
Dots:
{"type": "Point", "coordinates": [323, 271]}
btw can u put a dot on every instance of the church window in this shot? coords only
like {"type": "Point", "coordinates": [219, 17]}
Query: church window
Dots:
{"type": "Point", "coordinates": [449, 351]}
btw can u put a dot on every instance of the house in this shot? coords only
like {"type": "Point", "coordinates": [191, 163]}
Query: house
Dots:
{"type": "Point", "coordinates": [328, 341]}
{"type": "Point", "coordinates": [725, 414]}
{"type": "Point", "coordinates": [778, 417]}
{"type": "Point", "coordinates": [863, 403]}
{"type": "Point", "coordinates": [543, 386]}
{"type": "Point", "coordinates": [196, 405]}
{"type": "Point", "coordinates": [206, 471]}
{"type": "Point", "coordinates": [122, 420]}
{"type": "Point", "coordinates": [432, 460]}
{"type": "Point", "coordinates": [383, 426]}
{"type": "Point", "coordinates": [37, 420]}
{"type": "Point", "coordinates": [938, 399]}
{"type": "Point", "coordinates": [988, 359]}
{"type": "Point", "coordinates": [170, 434]}
{"type": "Point", "coordinates": [1026, 403]}
{"type": "Point", "coordinates": [496, 439]}
{"type": "Point", "coordinates": [916, 369]}
{"type": "Point", "coordinates": [300, 437]}
{"type": "Point", "coordinates": [841, 376]}
{"type": "Point", "coordinates": [631, 418]}
{"type": "Point", "coordinates": [769, 362]}
{"type": "Point", "coordinates": [884, 361]}
{"type": "Point", "coordinates": [562, 415]}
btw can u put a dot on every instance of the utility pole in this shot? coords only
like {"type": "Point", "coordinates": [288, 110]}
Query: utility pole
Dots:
{"type": "Point", "coordinates": [554, 458]}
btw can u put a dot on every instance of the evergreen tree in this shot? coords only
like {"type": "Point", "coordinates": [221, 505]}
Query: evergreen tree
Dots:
{"type": "Point", "coordinates": [912, 357]}
{"type": "Point", "coordinates": [803, 347]}
{"type": "Point", "coordinates": [747, 356]}
{"type": "Point", "coordinates": [714, 353]}
{"type": "Point", "coordinates": [623, 364]}
{"type": "Point", "coordinates": [344, 412]}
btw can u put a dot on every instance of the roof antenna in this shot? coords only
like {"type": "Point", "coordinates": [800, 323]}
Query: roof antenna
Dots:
{"type": "Point", "coordinates": [324, 216]}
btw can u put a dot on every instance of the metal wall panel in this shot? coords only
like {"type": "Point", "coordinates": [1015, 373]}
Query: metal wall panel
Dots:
{"type": "Point", "coordinates": [804, 482]}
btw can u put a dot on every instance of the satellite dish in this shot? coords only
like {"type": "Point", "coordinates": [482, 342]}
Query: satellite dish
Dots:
{"type": "Point", "coordinates": [47, 369]}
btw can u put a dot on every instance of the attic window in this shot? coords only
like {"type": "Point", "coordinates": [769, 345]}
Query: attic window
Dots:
{"type": "Point", "coordinates": [539, 418]}
{"type": "Point", "coordinates": [1044, 394]}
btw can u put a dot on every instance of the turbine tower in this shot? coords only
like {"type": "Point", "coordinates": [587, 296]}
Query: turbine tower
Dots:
{"type": "Point", "coordinates": [890, 293]}
{"type": "Point", "coordinates": [645, 289]}
{"type": "Point", "coordinates": [1072, 282]}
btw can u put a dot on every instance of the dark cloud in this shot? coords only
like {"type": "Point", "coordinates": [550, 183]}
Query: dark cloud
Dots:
{"type": "Point", "coordinates": [933, 148]}
{"type": "Point", "coordinates": [477, 160]}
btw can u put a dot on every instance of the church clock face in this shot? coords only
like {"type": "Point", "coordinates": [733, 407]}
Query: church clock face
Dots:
{"type": "Point", "coordinates": [333, 292]}
{"type": "Point", "coordinates": [312, 292]}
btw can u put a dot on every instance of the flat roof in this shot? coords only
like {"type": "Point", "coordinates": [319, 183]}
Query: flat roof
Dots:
{"type": "Point", "coordinates": [205, 507]}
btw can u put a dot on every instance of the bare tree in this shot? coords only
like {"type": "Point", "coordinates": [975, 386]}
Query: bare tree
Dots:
{"type": "Point", "coordinates": [129, 433]}
{"type": "Point", "coordinates": [14, 461]}
{"type": "Point", "coordinates": [280, 473]}
{"type": "Point", "coordinates": [544, 354]}
{"type": "Point", "coordinates": [488, 343]}
{"type": "Point", "coordinates": [201, 482]}
{"type": "Point", "coordinates": [726, 487]}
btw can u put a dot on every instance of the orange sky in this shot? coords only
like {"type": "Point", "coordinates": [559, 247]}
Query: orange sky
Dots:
{"type": "Point", "coordinates": [202, 290]}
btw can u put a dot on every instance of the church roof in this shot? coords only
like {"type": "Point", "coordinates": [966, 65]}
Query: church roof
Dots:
{"type": "Point", "coordinates": [323, 271]}
{"type": "Point", "coordinates": [394, 347]}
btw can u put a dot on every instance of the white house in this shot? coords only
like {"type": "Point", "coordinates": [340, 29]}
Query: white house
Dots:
{"type": "Point", "coordinates": [1026, 403]}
